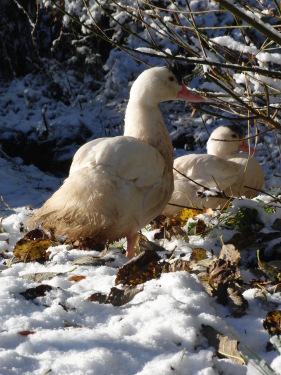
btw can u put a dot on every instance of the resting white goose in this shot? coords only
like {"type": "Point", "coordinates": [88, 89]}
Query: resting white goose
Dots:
{"type": "Point", "coordinates": [223, 167]}
{"type": "Point", "coordinates": [118, 185]}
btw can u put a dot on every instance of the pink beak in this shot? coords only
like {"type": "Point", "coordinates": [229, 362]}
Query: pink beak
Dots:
{"type": "Point", "coordinates": [189, 95]}
{"type": "Point", "coordinates": [246, 147]}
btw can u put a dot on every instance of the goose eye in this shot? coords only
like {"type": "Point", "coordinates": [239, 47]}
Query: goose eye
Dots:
{"type": "Point", "coordinates": [171, 79]}
{"type": "Point", "coordinates": [234, 136]}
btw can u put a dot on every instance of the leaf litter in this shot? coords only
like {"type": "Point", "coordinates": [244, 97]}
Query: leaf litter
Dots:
{"type": "Point", "coordinates": [220, 276]}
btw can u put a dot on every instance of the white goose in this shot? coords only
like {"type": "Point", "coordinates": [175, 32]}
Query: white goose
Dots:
{"type": "Point", "coordinates": [118, 185]}
{"type": "Point", "coordinates": [223, 167]}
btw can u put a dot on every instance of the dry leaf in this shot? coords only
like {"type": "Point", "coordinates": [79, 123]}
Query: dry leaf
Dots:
{"type": "Point", "coordinates": [225, 347]}
{"type": "Point", "coordinates": [33, 246]}
{"type": "Point", "coordinates": [26, 333]}
{"type": "Point", "coordinates": [198, 254]}
{"type": "Point", "coordinates": [116, 297]}
{"type": "Point", "coordinates": [38, 277]}
{"type": "Point", "coordinates": [177, 265]}
{"type": "Point", "coordinates": [168, 230]}
{"type": "Point", "coordinates": [144, 244]}
{"type": "Point", "coordinates": [221, 274]}
{"type": "Point", "coordinates": [32, 250]}
{"type": "Point", "coordinates": [36, 234]}
{"type": "Point", "coordinates": [272, 322]}
{"type": "Point", "coordinates": [230, 253]}
{"type": "Point", "coordinates": [271, 268]}
{"type": "Point", "coordinates": [172, 225]}
{"type": "Point", "coordinates": [181, 218]}
{"type": "Point", "coordinates": [204, 280]}
{"type": "Point", "coordinates": [119, 297]}
{"type": "Point", "coordinates": [76, 278]}
{"type": "Point", "coordinates": [97, 297]}
{"type": "Point", "coordinates": [140, 269]}
{"type": "Point", "coordinates": [200, 226]}
{"type": "Point", "coordinates": [92, 261]}
{"type": "Point", "coordinates": [88, 244]}
{"type": "Point", "coordinates": [168, 227]}
{"type": "Point", "coordinates": [39, 291]}
{"type": "Point", "coordinates": [68, 324]}
{"type": "Point", "coordinates": [200, 258]}
{"type": "Point", "coordinates": [236, 302]}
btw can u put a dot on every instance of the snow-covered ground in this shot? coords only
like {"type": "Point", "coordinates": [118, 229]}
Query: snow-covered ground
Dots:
{"type": "Point", "coordinates": [159, 331]}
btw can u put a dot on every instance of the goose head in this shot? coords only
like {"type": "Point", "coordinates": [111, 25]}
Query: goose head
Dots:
{"type": "Point", "coordinates": [160, 84]}
{"type": "Point", "coordinates": [226, 140]}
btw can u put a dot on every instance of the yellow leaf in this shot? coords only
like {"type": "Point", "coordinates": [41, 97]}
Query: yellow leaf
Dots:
{"type": "Point", "coordinates": [198, 254]}
{"type": "Point", "coordinates": [32, 250]}
{"type": "Point", "coordinates": [182, 217]}
{"type": "Point", "coordinates": [271, 269]}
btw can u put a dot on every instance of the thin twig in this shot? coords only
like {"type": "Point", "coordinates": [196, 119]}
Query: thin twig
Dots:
{"type": "Point", "coordinates": [45, 121]}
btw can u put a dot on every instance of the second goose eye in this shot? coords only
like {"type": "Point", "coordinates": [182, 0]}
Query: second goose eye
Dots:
{"type": "Point", "coordinates": [171, 79]}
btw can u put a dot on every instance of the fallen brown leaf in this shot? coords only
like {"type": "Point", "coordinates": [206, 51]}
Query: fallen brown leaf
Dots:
{"type": "Point", "coordinates": [38, 277]}
{"type": "Point", "coordinates": [204, 280]}
{"type": "Point", "coordinates": [68, 324]}
{"type": "Point", "coordinates": [140, 269]}
{"type": "Point", "coordinates": [230, 253]}
{"type": "Point", "coordinates": [272, 322]}
{"type": "Point", "coordinates": [116, 297]}
{"type": "Point", "coordinates": [97, 297]}
{"type": "Point", "coordinates": [198, 254]}
{"type": "Point", "coordinates": [200, 226]}
{"type": "Point", "coordinates": [26, 333]}
{"type": "Point", "coordinates": [88, 244]}
{"type": "Point", "coordinates": [225, 347]}
{"type": "Point", "coordinates": [236, 302]}
{"type": "Point", "coordinates": [144, 244]}
{"type": "Point", "coordinates": [172, 225]}
{"type": "Point", "coordinates": [222, 272]}
{"type": "Point", "coordinates": [92, 261]}
{"type": "Point", "coordinates": [76, 278]}
{"type": "Point", "coordinates": [177, 265]}
{"type": "Point", "coordinates": [32, 250]}
{"type": "Point", "coordinates": [39, 291]}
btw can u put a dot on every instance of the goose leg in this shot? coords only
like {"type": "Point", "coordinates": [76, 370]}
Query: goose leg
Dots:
{"type": "Point", "coordinates": [131, 241]}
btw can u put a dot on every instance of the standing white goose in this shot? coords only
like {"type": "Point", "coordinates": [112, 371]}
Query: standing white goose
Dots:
{"type": "Point", "coordinates": [223, 167]}
{"type": "Point", "coordinates": [118, 185]}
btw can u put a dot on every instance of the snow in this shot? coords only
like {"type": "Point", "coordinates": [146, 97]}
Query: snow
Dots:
{"type": "Point", "coordinates": [159, 330]}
